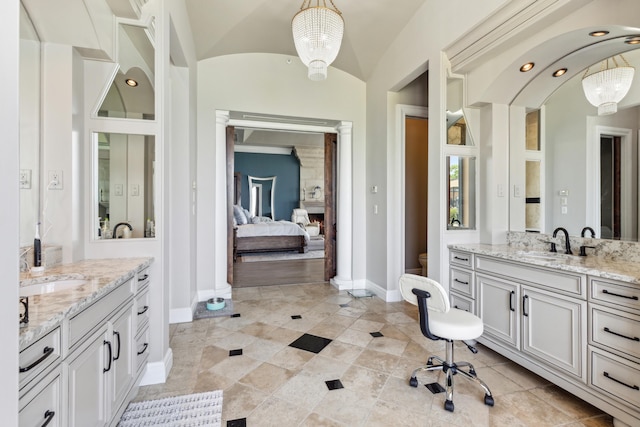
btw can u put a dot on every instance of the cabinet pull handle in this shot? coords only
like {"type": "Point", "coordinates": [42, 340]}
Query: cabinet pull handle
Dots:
{"type": "Point", "coordinates": [143, 278]}
{"type": "Point", "coordinates": [460, 259]}
{"type": "Point", "coordinates": [48, 416]}
{"type": "Point", "coordinates": [117, 334]}
{"type": "Point", "coordinates": [511, 301]}
{"type": "Point", "coordinates": [144, 348]}
{"type": "Point", "coordinates": [524, 305]}
{"type": "Point", "coordinates": [48, 351]}
{"type": "Point", "coordinates": [633, 297]}
{"type": "Point", "coordinates": [144, 310]}
{"type": "Point", "coordinates": [460, 281]}
{"type": "Point", "coordinates": [108, 344]}
{"type": "Point", "coordinates": [634, 387]}
{"type": "Point", "coordinates": [621, 335]}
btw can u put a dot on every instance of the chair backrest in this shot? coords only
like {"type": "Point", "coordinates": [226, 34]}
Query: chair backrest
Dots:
{"type": "Point", "coordinates": [300, 216]}
{"type": "Point", "coordinates": [438, 301]}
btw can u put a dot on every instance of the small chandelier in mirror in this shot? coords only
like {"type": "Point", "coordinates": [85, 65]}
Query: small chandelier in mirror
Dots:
{"type": "Point", "coordinates": [317, 34]}
{"type": "Point", "coordinates": [606, 87]}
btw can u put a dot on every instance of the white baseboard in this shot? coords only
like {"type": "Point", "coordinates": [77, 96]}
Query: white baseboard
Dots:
{"type": "Point", "coordinates": [342, 284]}
{"type": "Point", "coordinates": [157, 372]}
{"type": "Point", "coordinates": [387, 295]}
{"type": "Point", "coordinates": [184, 314]}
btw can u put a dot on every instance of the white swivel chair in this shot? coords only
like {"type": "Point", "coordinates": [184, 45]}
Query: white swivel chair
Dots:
{"type": "Point", "coordinates": [438, 321]}
{"type": "Point", "coordinates": [301, 217]}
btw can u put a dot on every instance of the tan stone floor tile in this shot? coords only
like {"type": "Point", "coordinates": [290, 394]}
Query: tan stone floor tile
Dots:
{"type": "Point", "coordinates": [325, 367]}
{"type": "Point", "coordinates": [209, 381]}
{"type": "Point", "coordinates": [235, 367]}
{"type": "Point", "coordinates": [324, 309]}
{"type": "Point", "coordinates": [345, 406]}
{"type": "Point", "coordinates": [235, 340]}
{"type": "Point", "coordinates": [524, 408]}
{"type": "Point", "coordinates": [599, 421]}
{"type": "Point", "coordinates": [395, 318]}
{"type": "Point", "coordinates": [345, 353]}
{"type": "Point", "coordinates": [291, 358]}
{"type": "Point", "coordinates": [239, 401]}
{"type": "Point", "coordinates": [304, 389]}
{"type": "Point", "coordinates": [302, 325]}
{"type": "Point", "coordinates": [277, 412]}
{"type": "Point", "coordinates": [390, 331]}
{"type": "Point", "coordinates": [566, 402]}
{"type": "Point", "coordinates": [262, 349]}
{"type": "Point", "coordinates": [316, 420]}
{"type": "Point", "coordinates": [397, 390]}
{"type": "Point", "coordinates": [525, 378]}
{"type": "Point", "coordinates": [364, 381]}
{"type": "Point", "coordinates": [211, 356]}
{"type": "Point", "coordinates": [267, 377]}
{"type": "Point", "coordinates": [327, 330]}
{"type": "Point", "coordinates": [385, 414]}
{"type": "Point", "coordinates": [366, 325]}
{"type": "Point", "coordinates": [258, 329]}
{"type": "Point", "coordinates": [388, 345]}
{"type": "Point", "coordinates": [352, 336]}
{"type": "Point", "coordinates": [351, 311]}
{"type": "Point", "coordinates": [282, 335]}
{"type": "Point", "coordinates": [216, 332]}
{"type": "Point", "coordinates": [377, 360]}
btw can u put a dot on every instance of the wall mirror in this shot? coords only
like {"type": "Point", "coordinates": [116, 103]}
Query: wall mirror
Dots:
{"type": "Point", "coordinates": [261, 196]}
{"type": "Point", "coordinates": [124, 185]}
{"type": "Point", "coordinates": [586, 164]}
{"type": "Point", "coordinates": [131, 94]}
{"type": "Point", "coordinates": [29, 93]}
{"type": "Point", "coordinates": [461, 192]}
{"type": "Point", "coordinates": [457, 132]}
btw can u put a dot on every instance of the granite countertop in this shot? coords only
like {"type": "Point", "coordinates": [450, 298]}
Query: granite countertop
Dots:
{"type": "Point", "coordinates": [46, 311]}
{"type": "Point", "coordinates": [592, 265]}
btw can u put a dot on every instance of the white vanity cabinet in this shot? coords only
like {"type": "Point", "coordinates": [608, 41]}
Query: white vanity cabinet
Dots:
{"type": "Point", "coordinates": [539, 313]}
{"type": "Point", "coordinates": [461, 281]}
{"type": "Point", "coordinates": [141, 307]}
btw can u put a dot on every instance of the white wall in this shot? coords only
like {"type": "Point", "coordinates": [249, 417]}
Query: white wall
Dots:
{"type": "Point", "coordinates": [267, 84]}
{"type": "Point", "coordinates": [9, 215]}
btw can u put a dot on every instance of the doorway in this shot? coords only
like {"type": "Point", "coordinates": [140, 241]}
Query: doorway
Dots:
{"type": "Point", "coordinates": [610, 187]}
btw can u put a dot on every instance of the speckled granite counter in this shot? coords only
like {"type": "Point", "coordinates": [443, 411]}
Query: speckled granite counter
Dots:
{"type": "Point", "coordinates": [592, 265]}
{"type": "Point", "coordinates": [48, 310]}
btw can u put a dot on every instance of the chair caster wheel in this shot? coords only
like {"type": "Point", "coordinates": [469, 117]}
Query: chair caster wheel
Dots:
{"type": "Point", "coordinates": [488, 400]}
{"type": "Point", "coordinates": [472, 372]}
{"type": "Point", "coordinates": [413, 382]}
{"type": "Point", "coordinates": [429, 362]}
{"type": "Point", "coordinates": [448, 405]}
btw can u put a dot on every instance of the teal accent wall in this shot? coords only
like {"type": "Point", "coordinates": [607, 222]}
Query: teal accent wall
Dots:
{"type": "Point", "coordinates": [287, 170]}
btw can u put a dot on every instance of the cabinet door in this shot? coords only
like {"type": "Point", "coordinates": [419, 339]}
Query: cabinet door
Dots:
{"type": "Point", "coordinates": [554, 330]}
{"type": "Point", "coordinates": [122, 357]}
{"type": "Point", "coordinates": [88, 381]}
{"type": "Point", "coordinates": [498, 309]}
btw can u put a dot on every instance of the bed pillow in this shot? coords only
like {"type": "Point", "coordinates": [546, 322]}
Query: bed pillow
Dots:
{"type": "Point", "coordinates": [259, 219]}
{"type": "Point", "coordinates": [239, 215]}
{"type": "Point", "coordinates": [247, 215]}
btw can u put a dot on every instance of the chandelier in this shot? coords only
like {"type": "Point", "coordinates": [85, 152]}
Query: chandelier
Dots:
{"type": "Point", "coordinates": [605, 88]}
{"type": "Point", "coordinates": [317, 34]}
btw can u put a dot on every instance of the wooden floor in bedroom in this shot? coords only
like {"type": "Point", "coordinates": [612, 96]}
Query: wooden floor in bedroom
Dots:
{"type": "Point", "coordinates": [270, 273]}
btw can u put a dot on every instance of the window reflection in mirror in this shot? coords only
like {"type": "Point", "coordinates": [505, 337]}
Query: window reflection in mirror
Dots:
{"type": "Point", "coordinates": [533, 200]}
{"type": "Point", "coordinates": [124, 188]}
{"type": "Point", "coordinates": [262, 195]}
{"type": "Point", "coordinates": [131, 94]}
{"type": "Point", "coordinates": [461, 209]}
{"type": "Point", "coordinates": [457, 132]}
{"type": "Point", "coordinates": [29, 128]}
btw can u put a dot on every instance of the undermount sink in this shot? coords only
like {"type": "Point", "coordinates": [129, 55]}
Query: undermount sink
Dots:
{"type": "Point", "coordinates": [49, 287]}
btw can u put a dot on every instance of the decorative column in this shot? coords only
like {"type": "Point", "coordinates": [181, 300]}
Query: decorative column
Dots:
{"type": "Point", "coordinates": [221, 287]}
{"type": "Point", "coordinates": [344, 209]}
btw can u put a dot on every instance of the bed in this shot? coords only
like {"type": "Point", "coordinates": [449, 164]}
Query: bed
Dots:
{"type": "Point", "coordinates": [265, 235]}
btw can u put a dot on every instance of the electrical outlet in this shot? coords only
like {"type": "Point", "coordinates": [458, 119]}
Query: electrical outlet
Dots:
{"type": "Point", "coordinates": [55, 180]}
{"type": "Point", "coordinates": [25, 178]}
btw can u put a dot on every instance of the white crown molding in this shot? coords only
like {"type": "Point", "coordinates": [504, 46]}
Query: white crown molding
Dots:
{"type": "Point", "coordinates": [262, 150]}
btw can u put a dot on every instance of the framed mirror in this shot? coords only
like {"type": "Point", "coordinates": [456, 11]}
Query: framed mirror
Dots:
{"type": "Point", "coordinates": [461, 192]}
{"type": "Point", "coordinates": [457, 132]}
{"type": "Point", "coordinates": [29, 92]}
{"type": "Point", "coordinates": [124, 185]}
{"type": "Point", "coordinates": [262, 195]}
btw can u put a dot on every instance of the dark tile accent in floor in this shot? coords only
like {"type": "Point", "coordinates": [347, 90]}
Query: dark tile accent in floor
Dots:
{"type": "Point", "coordinates": [344, 305]}
{"type": "Point", "coordinates": [296, 316]}
{"type": "Point", "coordinates": [334, 384]}
{"type": "Point", "coordinates": [376, 334]}
{"type": "Point", "coordinates": [240, 422]}
{"type": "Point", "coordinates": [435, 388]}
{"type": "Point", "coordinates": [235, 315]}
{"type": "Point", "coordinates": [311, 343]}
{"type": "Point", "coordinates": [237, 352]}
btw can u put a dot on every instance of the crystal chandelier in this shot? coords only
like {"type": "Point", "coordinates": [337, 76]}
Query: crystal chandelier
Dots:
{"type": "Point", "coordinates": [605, 88]}
{"type": "Point", "coordinates": [317, 34]}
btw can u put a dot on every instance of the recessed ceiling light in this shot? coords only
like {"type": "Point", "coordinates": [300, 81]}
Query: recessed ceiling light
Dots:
{"type": "Point", "coordinates": [599, 33]}
{"type": "Point", "coordinates": [559, 72]}
{"type": "Point", "coordinates": [527, 67]}
{"type": "Point", "coordinates": [131, 82]}
{"type": "Point", "coordinates": [633, 40]}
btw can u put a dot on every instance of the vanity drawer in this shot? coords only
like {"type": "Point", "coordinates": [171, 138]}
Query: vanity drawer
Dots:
{"type": "Point", "coordinates": [461, 281]}
{"type": "Point", "coordinates": [93, 316]}
{"type": "Point", "coordinates": [142, 309]}
{"type": "Point", "coordinates": [39, 356]}
{"type": "Point", "coordinates": [463, 259]}
{"type": "Point", "coordinates": [617, 377]}
{"type": "Point", "coordinates": [42, 404]}
{"type": "Point", "coordinates": [550, 279]}
{"type": "Point", "coordinates": [142, 350]}
{"type": "Point", "coordinates": [462, 303]}
{"type": "Point", "coordinates": [621, 333]}
{"type": "Point", "coordinates": [142, 278]}
{"type": "Point", "coordinates": [615, 293]}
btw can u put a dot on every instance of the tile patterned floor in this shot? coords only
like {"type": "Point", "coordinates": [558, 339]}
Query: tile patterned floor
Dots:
{"type": "Point", "coordinates": [374, 347]}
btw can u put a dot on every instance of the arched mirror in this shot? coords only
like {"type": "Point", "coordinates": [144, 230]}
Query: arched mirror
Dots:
{"type": "Point", "coordinates": [262, 195]}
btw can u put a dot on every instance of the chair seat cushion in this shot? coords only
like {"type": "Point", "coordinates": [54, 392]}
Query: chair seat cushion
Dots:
{"type": "Point", "coordinates": [455, 324]}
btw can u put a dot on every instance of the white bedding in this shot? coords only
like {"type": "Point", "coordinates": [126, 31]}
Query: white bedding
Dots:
{"type": "Point", "coordinates": [272, 228]}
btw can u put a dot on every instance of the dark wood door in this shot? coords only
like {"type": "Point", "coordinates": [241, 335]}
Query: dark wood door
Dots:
{"type": "Point", "coordinates": [230, 201]}
{"type": "Point", "coordinates": [330, 180]}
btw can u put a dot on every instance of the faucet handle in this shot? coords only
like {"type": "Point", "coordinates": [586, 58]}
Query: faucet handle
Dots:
{"type": "Point", "coordinates": [553, 243]}
{"type": "Point", "coordinates": [583, 249]}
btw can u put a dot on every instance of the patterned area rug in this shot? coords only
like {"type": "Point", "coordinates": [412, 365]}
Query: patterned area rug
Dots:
{"type": "Point", "coordinates": [280, 256]}
{"type": "Point", "coordinates": [200, 409]}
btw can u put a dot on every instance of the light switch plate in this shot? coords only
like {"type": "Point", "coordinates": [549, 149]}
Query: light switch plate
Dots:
{"type": "Point", "coordinates": [25, 178]}
{"type": "Point", "coordinates": [55, 180]}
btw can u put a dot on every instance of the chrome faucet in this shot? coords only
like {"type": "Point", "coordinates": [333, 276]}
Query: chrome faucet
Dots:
{"type": "Point", "coordinates": [567, 244]}
{"type": "Point", "coordinates": [115, 229]}
{"type": "Point", "coordinates": [584, 230]}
